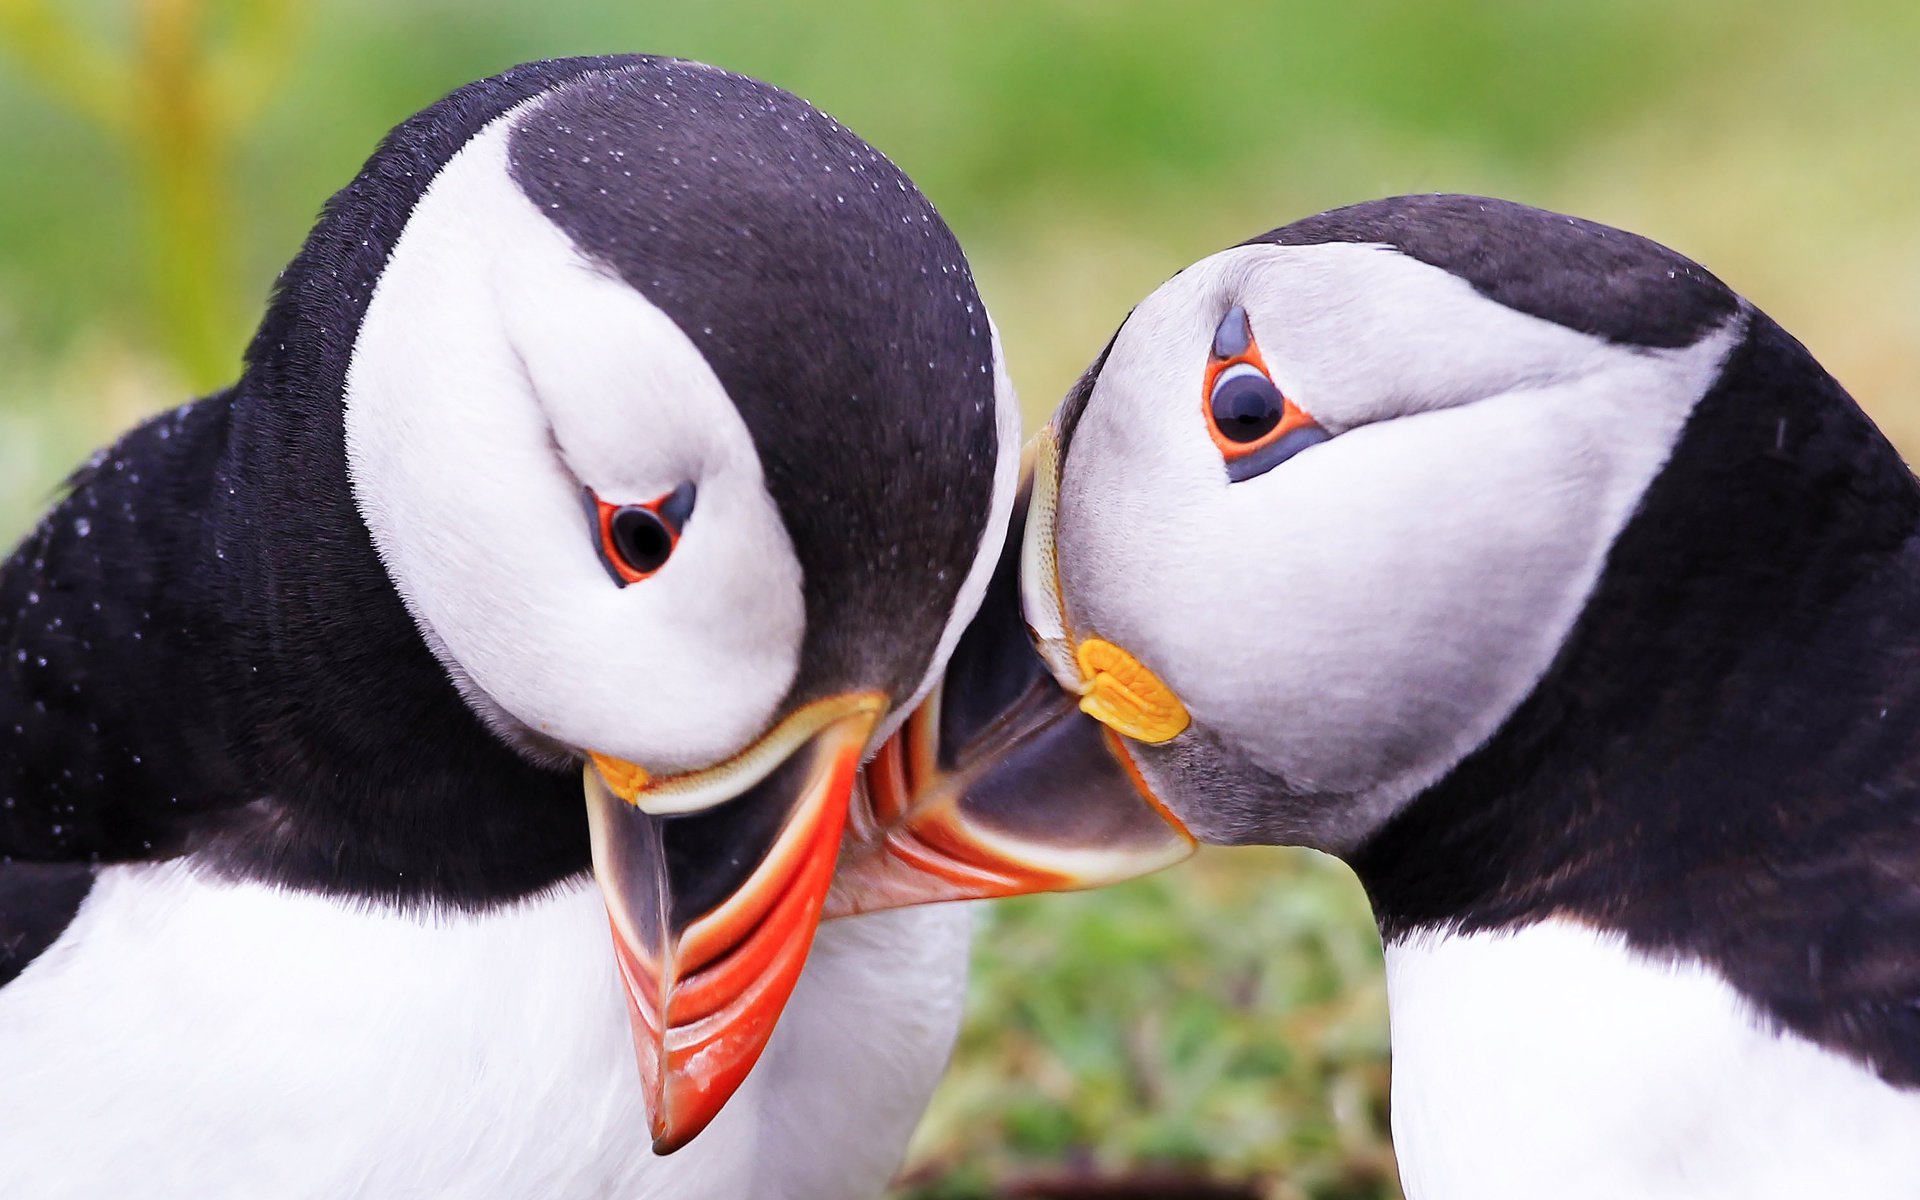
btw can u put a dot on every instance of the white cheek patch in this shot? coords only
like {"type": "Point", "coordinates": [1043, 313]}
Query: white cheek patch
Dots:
{"type": "Point", "coordinates": [1361, 617]}
{"type": "Point", "coordinates": [496, 373]}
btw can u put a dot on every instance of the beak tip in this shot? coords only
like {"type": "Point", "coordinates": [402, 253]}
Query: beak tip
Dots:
{"type": "Point", "coordinates": [666, 1141]}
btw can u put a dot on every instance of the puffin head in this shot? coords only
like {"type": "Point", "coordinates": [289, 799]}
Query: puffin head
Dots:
{"type": "Point", "coordinates": [682, 432]}
{"type": "Point", "coordinates": [1324, 512]}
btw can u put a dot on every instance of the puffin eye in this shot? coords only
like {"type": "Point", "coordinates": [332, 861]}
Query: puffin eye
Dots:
{"type": "Point", "coordinates": [641, 539]}
{"type": "Point", "coordinates": [1246, 406]}
{"type": "Point", "coordinates": [635, 540]}
{"type": "Point", "coordinates": [1252, 423]}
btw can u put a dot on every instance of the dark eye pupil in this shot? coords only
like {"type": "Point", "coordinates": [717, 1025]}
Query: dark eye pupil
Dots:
{"type": "Point", "coordinates": [641, 538]}
{"type": "Point", "coordinates": [1246, 407]}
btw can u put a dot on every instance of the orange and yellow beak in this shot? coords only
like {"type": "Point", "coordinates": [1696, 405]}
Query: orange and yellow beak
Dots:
{"type": "Point", "coordinates": [714, 901]}
{"type": "Point", "coordinates": [1014, 775]}
{"type": "Point", "coordinates": [1042, 800]}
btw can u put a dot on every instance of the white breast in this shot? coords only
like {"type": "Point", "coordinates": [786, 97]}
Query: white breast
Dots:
{"type": "Point", "coordinates": [195, 1038]}
{"type": "Point", "coordinates": [1556, 1062]}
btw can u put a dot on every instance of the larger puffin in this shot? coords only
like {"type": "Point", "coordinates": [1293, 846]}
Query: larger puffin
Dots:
{"type": "Point", "coordinates": [1520, 563]}
{"type": "Point", "coordinates": [621, 411]}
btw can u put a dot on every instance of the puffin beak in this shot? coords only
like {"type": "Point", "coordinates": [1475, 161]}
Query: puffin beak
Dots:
{"type": "Point", "coordinates": [714, 883]}
{"type": "Point", "coordinates": [1011, 778]}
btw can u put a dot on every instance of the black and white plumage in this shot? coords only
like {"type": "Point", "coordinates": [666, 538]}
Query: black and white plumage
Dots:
{"type": "Point", "coordinates": [293, 862]}
{"type": "Point", "coordinates": [1583, 630]}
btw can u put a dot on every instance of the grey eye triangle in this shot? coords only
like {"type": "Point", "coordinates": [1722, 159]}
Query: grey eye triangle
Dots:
{"type": "Point", "coordinates": [1234, 335]}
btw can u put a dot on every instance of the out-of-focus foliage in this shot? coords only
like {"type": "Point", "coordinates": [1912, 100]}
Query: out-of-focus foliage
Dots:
{"type": "Point", "coordinates": [170, 104]}
{"type": "Point", "coordinates": [162, 158]}
{"type": "Point", "coordinates": [1227, 1017]}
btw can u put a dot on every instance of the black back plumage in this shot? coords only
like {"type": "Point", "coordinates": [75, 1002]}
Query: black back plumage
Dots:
{"type": "Point", "coordinates": [1723, 762]}
{"type": "Point", "coordinates": [203, 652]}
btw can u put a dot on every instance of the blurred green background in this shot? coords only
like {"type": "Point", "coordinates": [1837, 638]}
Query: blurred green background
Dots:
{"type": "Point", "coordinates": [162, 158]}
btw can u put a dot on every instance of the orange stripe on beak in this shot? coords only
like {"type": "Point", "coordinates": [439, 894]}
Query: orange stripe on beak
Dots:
{"type": "Point", "coordinates": [705, 988]}
{"type": "Point", "coordinates": [1051, 802]}
{"type": "Point", "coordinates": [999, 784]}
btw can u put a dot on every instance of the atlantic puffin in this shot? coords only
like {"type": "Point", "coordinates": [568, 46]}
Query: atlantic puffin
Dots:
{"type": "Point", "coordinates": [623, 421]}
{"type": "Point", "coordinates": [1520, 563]}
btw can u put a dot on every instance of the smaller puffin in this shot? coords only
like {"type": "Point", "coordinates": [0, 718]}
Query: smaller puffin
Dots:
{"type": "Point", "coordinates": [1520, 563]}
{"type": "Point", "coordinates": [623, 419]}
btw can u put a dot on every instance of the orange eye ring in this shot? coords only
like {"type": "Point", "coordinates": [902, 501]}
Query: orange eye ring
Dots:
{"type": "Point", "coordinates": [1253, 424]}
{"type": "Point", "coordinates": [635, 541]}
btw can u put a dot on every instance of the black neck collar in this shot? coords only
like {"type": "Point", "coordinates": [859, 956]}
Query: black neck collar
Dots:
{"type": "Point", "coordinates": [1720, 764]}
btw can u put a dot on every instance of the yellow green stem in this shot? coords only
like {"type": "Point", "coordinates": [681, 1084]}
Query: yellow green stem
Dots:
{"type": "Point", "coordinates": [182, 162]}
{"type": "Point", "coordinates": [173, 106]}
